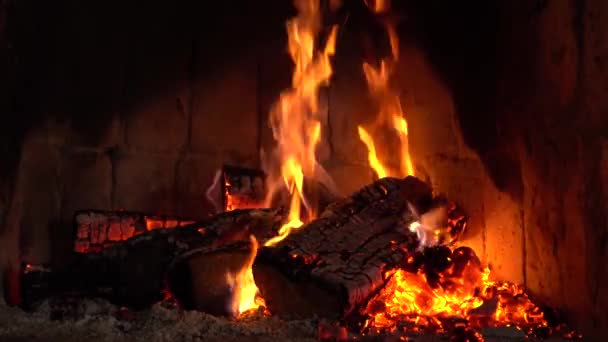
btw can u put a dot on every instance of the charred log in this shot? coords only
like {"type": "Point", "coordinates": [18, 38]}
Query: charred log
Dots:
{"type": "Point", "coordinates": [98, 229]}
{"type": "Point", "coordinates": [333, 265]}
{"type": "Point", "coordinates": [135, 272]}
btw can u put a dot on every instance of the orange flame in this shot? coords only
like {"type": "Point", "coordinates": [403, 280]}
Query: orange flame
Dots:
{"type": "Point", "coordinates": [296, 118]}
{"type": "Point", "coordinates": [294, 173]}
{"type": "Point", "coordinates": [228, 200]}
{"type": "Point", "coordinates": [409, 297]}
{"type": "Point", "coordinates": [411, 294]}
{"type": "Point", "coordinates": [245, 291]}
{"type": "Point", "coordinates": [374, 163]}
{"type": "Point", "coordinates": [391, 112]}
{"type": "Point", "coordinates": [406, 162]}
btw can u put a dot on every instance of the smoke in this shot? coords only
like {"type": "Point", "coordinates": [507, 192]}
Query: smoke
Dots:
{"type": "Point", "coordinates": [214, 193]}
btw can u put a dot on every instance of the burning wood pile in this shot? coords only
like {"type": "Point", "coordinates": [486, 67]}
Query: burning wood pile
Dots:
{"type": "Point", "coordinates": [384, 260]}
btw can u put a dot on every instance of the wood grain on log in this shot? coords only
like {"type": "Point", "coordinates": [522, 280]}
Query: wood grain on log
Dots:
{"type": "Point", "coordinates": [334, 264]}
{"type": "Point", "coordinates": [99, 229]}
{"type": "Point", "coordinates": [134, 272]}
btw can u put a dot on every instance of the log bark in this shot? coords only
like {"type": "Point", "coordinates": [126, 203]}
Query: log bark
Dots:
{"type": "Point", "coordinates": [334, 264]}
{"type": "Point", "coordinates": [135, 272]}
{"type": "Point", "coordinates": [95, 230]}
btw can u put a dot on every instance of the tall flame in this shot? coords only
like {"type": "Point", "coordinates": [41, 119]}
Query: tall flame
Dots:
{"type": "Point", "coordinates": [390, 112]}
{"type": "Point", "coordinates": [374, 163]}
{"type": "Point", "coordinates": [245, 292]}
{"type": "Point", "coordinates": [296, 118]}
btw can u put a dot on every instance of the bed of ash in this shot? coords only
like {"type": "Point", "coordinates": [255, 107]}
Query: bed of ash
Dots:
{"type": "Point", "coordinates": [94, 320]}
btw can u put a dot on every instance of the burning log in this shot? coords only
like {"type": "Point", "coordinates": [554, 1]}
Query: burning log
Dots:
{"type": "Point", "coordinates": [333, 265]}
{"type": "Point", "coordinates": [97, 229]}
{"type": "Point", "coordinates": [135, 272]}
{"type": "Point", "coordinates": [237, 188]}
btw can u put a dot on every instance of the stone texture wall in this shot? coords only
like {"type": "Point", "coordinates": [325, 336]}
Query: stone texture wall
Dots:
{"type": "Point", "coordinates": [115, 105]}
{"type": "Point", "coordinates": [563, 169]}
{"type": "Point", "coordinates": [525, 79]}
{"type": "Point", "coordinates": [506, 103]}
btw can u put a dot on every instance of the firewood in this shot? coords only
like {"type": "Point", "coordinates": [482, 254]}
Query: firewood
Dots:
{"type": "Point", "coordinates": [135, 272]}
{"type": "Point", "coordinates": [333, 265]}
{"type": "Point", "coordinates": [99, 229]}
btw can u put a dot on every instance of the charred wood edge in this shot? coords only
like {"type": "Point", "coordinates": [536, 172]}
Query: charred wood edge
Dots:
{"type": "Point", "coordinates": [199, 236]}
{"type": "Point", "coordinates": [231, 173]}
{"type": "Point", "coordinates": [456, 217]}
{"type": "Point", "coordinates": [239, 246]}
{"type": "Point", "coordinates": [179, 278]}
{"type": "Point", "coordinates": [379, 198]}
{"type": "Point", "coordinates": [89, 270]}
{"type": "Point", "coordinates": [138, 218]}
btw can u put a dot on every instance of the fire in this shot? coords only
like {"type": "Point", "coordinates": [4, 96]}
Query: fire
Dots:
{"type": "Point", "coordinates": [294, 173]}
{"type": "Point", "coordinates": [296, 117]}
{"type": "Point", "coordinates": [426, 299]}
{"type": "Point", "coordinates": [431, 289]}
{"type": "Point", "coordinates": [390, 113]}
{"type": "Point", "coordinates": [374, 163]}
{"type": "Point", "coordinates": [412, 294]}
{"type": "Point", "coordinates": [296, 126]}
{"type": "Point", "coordinates": [228, 200]}
{"type": "Point", "coordinates": [245, 291]}
{"type": "Point", "coordinates": [401, 127]}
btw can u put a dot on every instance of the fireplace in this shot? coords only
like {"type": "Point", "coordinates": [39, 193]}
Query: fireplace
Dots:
{"type": "Point", "coordinates": [118, 106]}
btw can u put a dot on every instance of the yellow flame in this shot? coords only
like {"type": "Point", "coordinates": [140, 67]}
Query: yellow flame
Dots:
{"type": "Point", "coordinates": [293, 176]}
{"type": "Point", "coordinates": [390, 112]}
{"type": "Point", "coordinates": [296, 118]}
{"type": "Point", "coordinates": [400, 126]}
{"type": "Point", "coordinates": [246, 294]}
{"type": "Point", "coordinates": [374, 163]}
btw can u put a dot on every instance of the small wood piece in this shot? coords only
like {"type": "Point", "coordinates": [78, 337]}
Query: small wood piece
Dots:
{"type": "Point", "coordinates": [333, 265]}
{"type": "Point", "coordinates": [99, 229]}
{"type": "Point", "coordinates": [242, 188]}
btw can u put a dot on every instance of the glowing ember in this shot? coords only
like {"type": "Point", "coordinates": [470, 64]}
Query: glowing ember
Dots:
{"type": "Point", "coordinates": [296, 118]}
{"type": "Point", "coordinates": [245, 291]}
{"type": "Point", "coordinates": [437, 284]}
{"type": "Point", "coordinates": [449, 284]}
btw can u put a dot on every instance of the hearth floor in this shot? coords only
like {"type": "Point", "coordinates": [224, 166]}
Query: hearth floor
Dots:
{"type": "Point", "coordinates": [97, 321]}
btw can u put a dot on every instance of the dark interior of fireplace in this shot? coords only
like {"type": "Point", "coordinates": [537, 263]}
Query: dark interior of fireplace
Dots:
{"type": "Point", "coordinates": [123, 105]}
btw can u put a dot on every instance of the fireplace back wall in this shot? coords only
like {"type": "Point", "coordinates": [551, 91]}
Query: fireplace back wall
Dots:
{"type": "Point", "coordinates": [114, 105]}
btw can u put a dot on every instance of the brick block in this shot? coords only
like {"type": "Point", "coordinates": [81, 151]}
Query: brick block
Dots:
{"type": "Point", "coordinates": [350, 104]}
{"type": "Point", "coordinates": [40, 193]}
{"type": "Point", "coordinates": [157, 92]}
{"type": "Point", "coordinates": [504, 234]}
{"type": "Point", "coordinates": [145, 182]}
{"type": "Point", "coordinates": [225, 111]}
{"type": "Point", "coordinates": [428, 107]}
{"type": "Point", "coordinates": [159, 124]}
{"type": "Point", "coordinates": [86, 182]}
{"type": "Point", "coordinates": [348, 177]}
{"type": "Point", "coordinates": [195, 175]}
